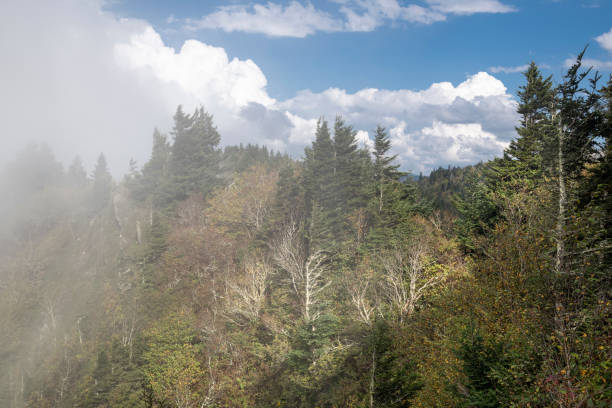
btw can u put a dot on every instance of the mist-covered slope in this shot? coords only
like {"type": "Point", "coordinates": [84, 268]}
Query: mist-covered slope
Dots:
{"type": "Point", "coordinates": [244, 278]}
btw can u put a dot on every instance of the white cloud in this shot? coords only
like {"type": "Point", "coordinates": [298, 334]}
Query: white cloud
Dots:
{"type": "Point", "coordinates": [293, 20]}
{"type": "Point", "coordinates": [393, 103]}
{"type": "Point", "coordinates": [467, 7]}
{"type": "Point", "coordinates": [445, 143]}
{"type": "Point", "coordinates": [443, 124]}
{"type": "Point", "coordinates": [509, 70]}
{"type": "Point", "coordinates": [198, 69]}
{"type": "Point", "coordinates": [303, 130]}
{"type": "Point", "coordinates": [516, 69]}
{"type": "Point", "coordinates": [605, 40]}
{"type": "Point", "coordinates": [363, 140]}
{"type": "Point", "coordinates": [96, 83]}
{"type": "Point", "coordinates": [300, 20]}
{"type": "Point", "coordinates": [87, 82]}
{"type": "Point", "coordinates": [590, 62]}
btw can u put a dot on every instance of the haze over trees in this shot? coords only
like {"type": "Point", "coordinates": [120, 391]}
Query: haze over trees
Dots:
{"type": "Point", "coordinates": [240, 277]}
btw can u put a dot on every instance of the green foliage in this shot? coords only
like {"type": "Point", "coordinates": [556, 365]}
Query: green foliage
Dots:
{"type": "Point", "coordinates": [171, 368]}
{"type": "Point", "coordinates": [194, 160]}
{"type": "Point", "coordinates": [396, 378]}
{"type": "Point", "coordinates": [88, 321]}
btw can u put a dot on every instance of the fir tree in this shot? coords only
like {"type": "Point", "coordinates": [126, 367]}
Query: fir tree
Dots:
{"type": "Point", "coordinates": [155, 172]}
{"type": "Point", "coordinates": [319, 185]}
{"type": "Point", "coordinates": [77, 176]}
{"type": "Point", "coordinates": [385, 171]}
{"type": "Point", "coordinates": [102, 183]}
{"type": "Point", "coordinates": [194, 162]}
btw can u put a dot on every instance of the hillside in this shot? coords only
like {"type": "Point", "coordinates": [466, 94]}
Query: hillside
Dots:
{"type": "Point", "coordinates": [240, 277]}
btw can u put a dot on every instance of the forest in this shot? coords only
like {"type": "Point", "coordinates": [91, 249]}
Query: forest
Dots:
{"type": "Point", "coordinates": [243, 277]}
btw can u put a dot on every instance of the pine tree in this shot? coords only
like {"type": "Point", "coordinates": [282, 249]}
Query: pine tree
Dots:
{"type": "Point", "coordinates": [531, 154]}
{"type": "Point", "coordinates": [319, 186]}
{"type": "Point", "coordinates": [396, 380]}
{"type": "Point", "coordinates": [346, 169]}
{"type": "Point", "coordinates": [77, 176]}
{"type": "Point", "coordinates": [155, 172]}
{"type": "Point", "coordinates": [385, 172]}
{"type": "Point", "coordinates": [194, 162]}
{"type": "Point", "coordinates": [102, 183]}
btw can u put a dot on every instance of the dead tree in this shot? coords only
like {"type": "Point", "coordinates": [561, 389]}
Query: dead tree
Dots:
{"type": "Point", "coordinates": [305, 272]}
{"type": "Point", "coordinates": [248, 295]}
{"type": "Point", "coordinates": [407, 278]}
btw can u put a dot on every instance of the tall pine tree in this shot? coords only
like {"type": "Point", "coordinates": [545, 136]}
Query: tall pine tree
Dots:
{"type": "Point", "coordinates": [194, 162]}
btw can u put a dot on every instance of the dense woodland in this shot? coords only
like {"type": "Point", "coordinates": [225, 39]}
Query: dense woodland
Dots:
{"type": "Point", "coordinates": [239, 277]}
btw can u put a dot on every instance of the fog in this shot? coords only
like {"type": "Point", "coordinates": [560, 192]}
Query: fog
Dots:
{"type": "Point", "coordinates": [85, 81]}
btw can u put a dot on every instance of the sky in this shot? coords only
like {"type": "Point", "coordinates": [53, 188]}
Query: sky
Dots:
{"type": "Point", "coordinates": [92, 76]}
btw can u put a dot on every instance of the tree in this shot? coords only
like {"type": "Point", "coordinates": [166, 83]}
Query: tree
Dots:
{"type": "Point", "coordinates": [194, 162]}
{"type": "Point", "coordinates": [102, 183]}
{"type": "Point", "coordinates": [408, 276]}
{"type": "Point", "coordinates": [385, 171]}
{"type": "Point", "coordinates": [305, 271]}
{"type": "Point", "coordinates": [319, 175]}
{"type": "Point", "coordinates": [155, 172]}
{"type": "Point", "coordinates": [347, 193]}
{"type": "Point", "coordinates": [172, 369]}
{"type": "Point", "coordinates": [77, 176]}
{"type": "Point", "coordinates": [529, 155]}
{"type": "Point", "coordinates": [395, 380]}
{"type": "Point", "coordinates": [249, 291]}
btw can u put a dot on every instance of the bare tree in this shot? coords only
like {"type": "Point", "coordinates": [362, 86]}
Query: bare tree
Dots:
{"type": "Point", "coordinates": [305, 271]}
{"type": "Point", "coordinates": [407, 277]}
{"type": "Point", "coordinates": [358, 291]}
{"type": "Point", "coordinates": [249, 293]}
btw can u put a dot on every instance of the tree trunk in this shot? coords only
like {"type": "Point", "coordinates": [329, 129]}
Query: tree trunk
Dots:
{"type": "Point", "coordinates": [372, 384]}
{"type": "Point", "coordinates": [560, 255]}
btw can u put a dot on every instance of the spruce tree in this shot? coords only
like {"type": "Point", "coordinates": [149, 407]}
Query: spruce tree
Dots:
{"type": "Point", "coordinates": [194, 162]}
{"type": "Point", "coordinates": [385, 171]}
{"type": "Point", "coordinates": [346, 167]}
{"type": "Point", "coordinates": [155, 171]}
{"type": "Point", "coordinates": [77, 176]}
{"type": "Point", "coordinates": [531, 155]}
{"type": "Point", "coordinates": [319, 185]}
{"type": "Point", "coordinates": [102, 183]}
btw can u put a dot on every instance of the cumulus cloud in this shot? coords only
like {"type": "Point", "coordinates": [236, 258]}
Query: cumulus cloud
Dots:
{"type": "Point", "coordinates": [198, 69]}
{"type": "Point", "coordinates": [443, 124]}
{"type": "Point", "coordinates": [300, 20]}
{"type": "Point", "coordinates": [605, 40]}
{"type": "Point", "coordinates": [363, 140]}
{"type": "Point", "coordinates": [444, 143]}
{"type": "Point", "coordinates": [87, 82]}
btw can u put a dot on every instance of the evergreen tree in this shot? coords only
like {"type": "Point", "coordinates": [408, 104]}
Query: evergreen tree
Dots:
{"type": "Point", "coordinates": [346, 170]}
{"type": "Point", "coordinates": [194, 162]}
{"type": "Point", "coordinates": [154, 180]}
{"type": "Point", "coordinates": [319, 186]}
{"type": "Point", "coordinates": [77, 176]}
{"type": "Point", "coordinates": [102, 183]}
{"type": "Point", "coordinates": [385, 171]}
{"type": "Point", "coordinates": [395, 378]}
{"type": "Point", "coordinates": [531, 154]}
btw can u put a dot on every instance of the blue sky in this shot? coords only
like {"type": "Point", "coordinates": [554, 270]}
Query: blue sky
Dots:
{"type": "Point", "coordinates": [397, 54]}
{"type": "Point", "coordinates": [440, 75]}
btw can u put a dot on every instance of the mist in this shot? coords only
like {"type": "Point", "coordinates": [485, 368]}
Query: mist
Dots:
{"type": "Point", "coordinates": [175, 235]}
